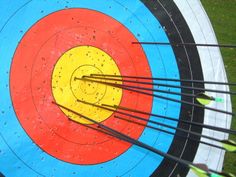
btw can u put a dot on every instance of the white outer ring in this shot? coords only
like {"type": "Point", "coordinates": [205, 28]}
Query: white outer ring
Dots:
{"type": "Point", "coordinates": [213, 70]}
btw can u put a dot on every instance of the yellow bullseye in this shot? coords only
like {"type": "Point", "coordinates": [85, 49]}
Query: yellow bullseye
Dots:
{"type": "Point", "coordinates": [75, 63]}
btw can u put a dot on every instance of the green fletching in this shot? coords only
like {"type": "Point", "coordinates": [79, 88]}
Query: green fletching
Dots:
{"type": "Point", "coordinates": [204, 173]}
{"type": "Point", "coordinates": [203, 101]}
{"type": "Point", "coordinates": [199, 172]}
{"type": "Point", "coordinates": [219, 100]}
{"type": "Point", "coordinates": [229, 145]}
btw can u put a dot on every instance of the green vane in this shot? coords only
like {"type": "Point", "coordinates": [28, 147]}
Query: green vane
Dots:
{"type": "Point", "coordinates": [229, 145]}
{"type": "Point", "coordinates": [205, 99]}
{"type": "Point", "coordinates": [198, 171]}
{"type": "Point", "coordinates": [203, 171]}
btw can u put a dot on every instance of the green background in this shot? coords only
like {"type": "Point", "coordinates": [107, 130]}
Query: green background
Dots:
{"type": "Point", "coordinates": [222, 14]}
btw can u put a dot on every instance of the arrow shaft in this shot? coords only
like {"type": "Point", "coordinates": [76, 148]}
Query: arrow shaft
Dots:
{"type": "Point", "coordinates": [163, 79]}
{"type": "Point", "coordinates": [151, 121]}
{"type": "Point", "coordinates": [129, 139]}
{"type": "Point", "coordinates": [159, 96]}
{"type": "Point", "coordinates": [187, 44]}
{"type": "Point", "coordinates": [164, 85]}
{"type": "Point", "coordinates": [173, 119]}
{"type": "Point", "coordinates": [170, 133]}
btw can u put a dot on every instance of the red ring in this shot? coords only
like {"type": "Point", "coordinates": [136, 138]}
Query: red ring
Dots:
{"type": "Point", "coordinates": [31, 91]}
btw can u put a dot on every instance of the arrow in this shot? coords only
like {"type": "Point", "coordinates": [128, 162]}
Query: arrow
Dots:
{"type": "Point", "coordinates": [168, 132]}
{"type": "Point", "coordinates": [157, 96]}
{"type": "Point", "coordinates": [173, 119]}
{"type": "Point", "coordinates": [158, 123]}
{"type": "Point", "coordinates": [202, 98]}
{"type": "Point", "coordinates": [205, 99]}
{"type": "Point", "coordinates": [163, 79]}
{"type": "Point", "coordinates": [130, 140]}
{"type": "Point", "coordinates": [187, 44]}
{"type": "Point", "coordinates": [164, 85]}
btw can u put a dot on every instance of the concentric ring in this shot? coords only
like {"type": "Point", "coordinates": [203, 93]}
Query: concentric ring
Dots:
{"type": "Point", "coordinates": [55, 134]}
{"type": "Point", "coordinates": [68, 88]}
{"type": "Point", "coordinates": [158, 66]}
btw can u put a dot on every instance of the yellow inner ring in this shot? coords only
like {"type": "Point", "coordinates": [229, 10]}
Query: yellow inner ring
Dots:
{"type": "Point", "coordinates": [78, 62]}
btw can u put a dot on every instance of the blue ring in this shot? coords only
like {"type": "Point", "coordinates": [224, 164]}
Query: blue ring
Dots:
{"type": "Point", "coordinates": [162, 62]}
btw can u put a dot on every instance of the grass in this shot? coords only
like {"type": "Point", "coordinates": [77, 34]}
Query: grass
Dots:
{"type": "Point", "coordinates": [222, 14]}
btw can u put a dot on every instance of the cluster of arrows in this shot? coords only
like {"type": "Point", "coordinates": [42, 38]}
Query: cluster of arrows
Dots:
{"type": "Point", "coordinates": [203, 99]}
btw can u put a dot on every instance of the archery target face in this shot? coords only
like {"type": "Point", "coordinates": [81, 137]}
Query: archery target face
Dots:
{"type": "Point", "coordinates": [61, 41]}
{"type": "Point", "coordinates": [52, 77]}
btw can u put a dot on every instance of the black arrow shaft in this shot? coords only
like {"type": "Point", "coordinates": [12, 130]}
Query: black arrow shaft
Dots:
{"type": "Point", "coordinates": [164, 85]}
{"type": "Point", "coordinates": [163, 79]}
{"type": "Point", "coordinates": [158, 96]}
{"type": "Point", "coordinates": [176, 120]}
{"type": "Point", "coordinates": [126, 138]}
{"type": "Point", "coordinates": [151, 121]}
{"type": "Point", "coordinates": [170, 133]}
{"type": "Point", "coordinates": [187, 44]}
